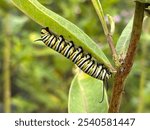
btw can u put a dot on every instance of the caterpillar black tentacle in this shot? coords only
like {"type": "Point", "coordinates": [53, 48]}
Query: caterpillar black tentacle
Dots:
{"type": "Point", "coordinates": [83, 60]}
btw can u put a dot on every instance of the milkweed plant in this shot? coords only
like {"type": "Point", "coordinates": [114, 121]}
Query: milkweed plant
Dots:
{"type": "Point", "coordinates": [61, 35]}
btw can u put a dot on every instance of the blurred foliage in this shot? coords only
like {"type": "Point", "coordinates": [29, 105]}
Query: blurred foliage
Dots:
{"type": "Point", "coordinates": [40, 78]}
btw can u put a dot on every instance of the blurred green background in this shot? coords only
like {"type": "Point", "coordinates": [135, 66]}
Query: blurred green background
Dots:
{"type": "Point", "coordinates": [34, 78]}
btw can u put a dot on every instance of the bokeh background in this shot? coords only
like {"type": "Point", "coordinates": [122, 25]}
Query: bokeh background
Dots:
{"type": "Point", "coordinates": [34, 78]}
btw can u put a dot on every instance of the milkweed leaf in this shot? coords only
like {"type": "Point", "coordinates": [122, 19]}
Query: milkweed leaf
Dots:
{"type": "Point", "coordinates": [85, 95]}
{"type": "Point", "coordinates": [59, 25]}
{"type": "Point", "coordinates": [124, 39]}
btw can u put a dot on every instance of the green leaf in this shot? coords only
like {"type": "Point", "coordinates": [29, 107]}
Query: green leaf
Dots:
{"type": "Point", "coordinates": [85, 95]}
{"type": "Point", "coordinates": [59, 25]}
{"type": "Point", "coordinates": [124, 40]}
{"type": "Point", "coordinates": [99, 10]}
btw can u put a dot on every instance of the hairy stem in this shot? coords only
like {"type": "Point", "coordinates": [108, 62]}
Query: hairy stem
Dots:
{"type": "Point", "coordinates": [124, 70]}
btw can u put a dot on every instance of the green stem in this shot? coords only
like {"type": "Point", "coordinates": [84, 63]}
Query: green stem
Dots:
{"type": "Point", "coordinates": [141, 91]}
{"type": "Point", "coordinates": [6, 74]}
{"type": "Point", "coordinates": [100, 13]}
{"type": "Point", "coordinates": [6, 65]}
{"type": "Point", "coordinates": [144, 71]}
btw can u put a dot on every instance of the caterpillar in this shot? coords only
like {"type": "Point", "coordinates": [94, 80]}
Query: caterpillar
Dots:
{"type": "Point", "coordinates": [77, 55]}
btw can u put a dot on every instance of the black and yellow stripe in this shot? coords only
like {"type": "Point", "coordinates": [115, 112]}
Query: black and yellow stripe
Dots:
{"type": "Point", "coordinates": [76, 54]}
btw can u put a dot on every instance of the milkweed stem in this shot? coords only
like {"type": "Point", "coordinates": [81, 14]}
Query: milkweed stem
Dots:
{"type": "Point", "coordinates": [123, 71]}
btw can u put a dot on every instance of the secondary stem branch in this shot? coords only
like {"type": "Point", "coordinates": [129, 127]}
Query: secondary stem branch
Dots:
{"type": "Point", "coordinates": [111, 45]}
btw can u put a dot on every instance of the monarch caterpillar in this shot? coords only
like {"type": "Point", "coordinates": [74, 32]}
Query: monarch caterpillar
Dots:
{"type": "Point", "coordinates": [83, 60]}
